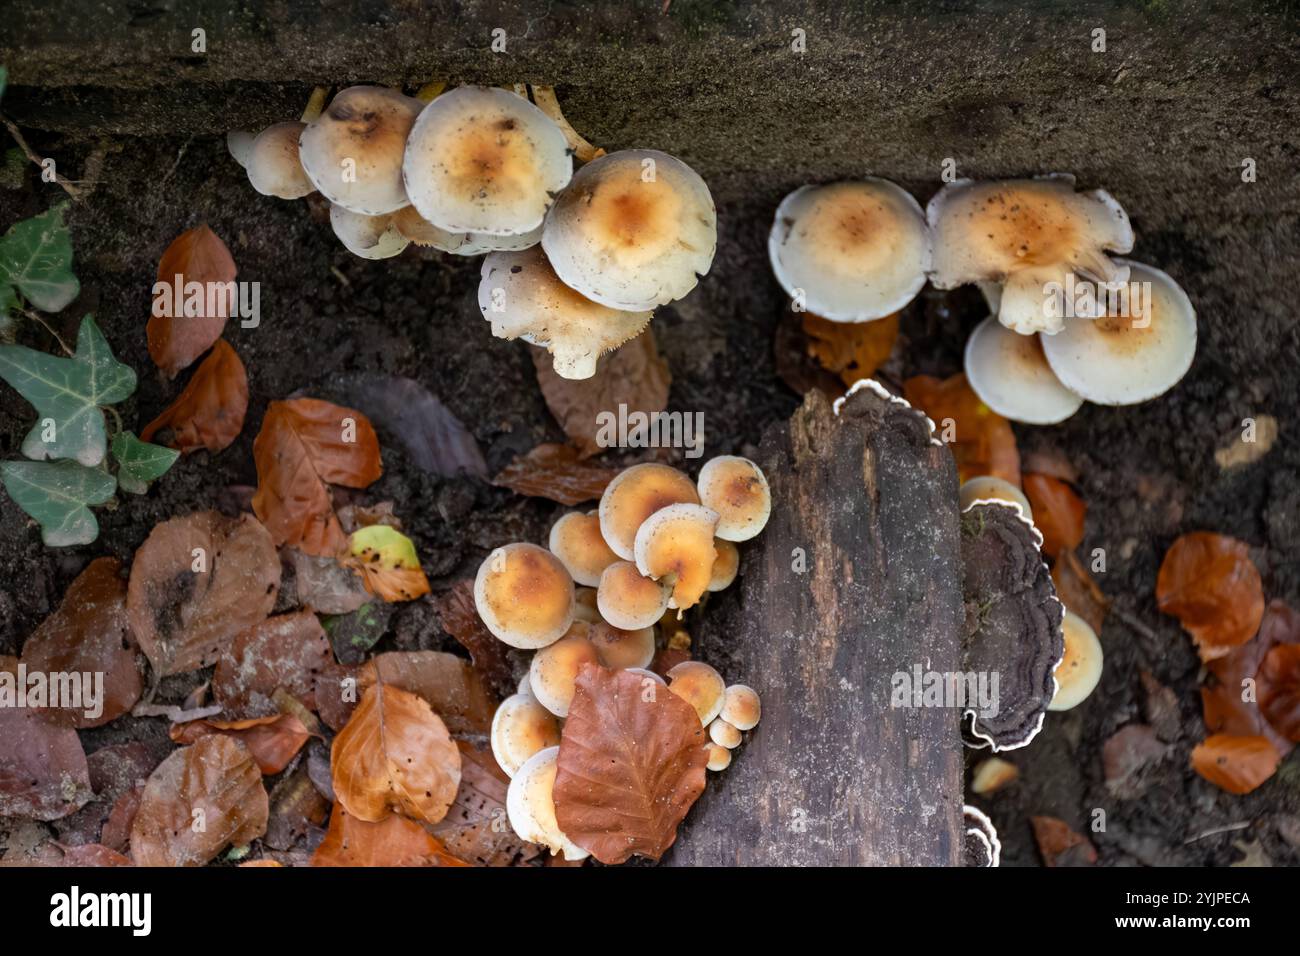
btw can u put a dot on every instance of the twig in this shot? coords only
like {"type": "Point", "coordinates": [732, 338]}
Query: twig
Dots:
{"type": "Point", "coordinates": [37, 317]}
{"type": "Point", "coordinates": [1231, 827]}
{"type": "Point", "coordinates": [1134, 624]}
{"type": "Point", "coordinates": [68, 188]}
{"type": "Point", "coordinates": [174, 712]}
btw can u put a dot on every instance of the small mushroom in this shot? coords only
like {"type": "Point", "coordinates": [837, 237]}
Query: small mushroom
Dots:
{"type": "Point", "coordinates": [521, 727]}
{"type": "Point", "coordinates": [737, 490]}
{"type": "Point", "coordinates": [1134, 352]}
{"type": "Point", "coordinates": [353, 151]}
{"type": "Point", "coordinates": [1080, 668]}
{"type": "Point", "coordinates": [634, 495]}
{"type": "Point", "coordinates": [584, 607]}
{"type": "Point", "coordinates": [700, 686]}
{"type": "Point", "coordinates": [992, 488]}
{"type": "Point", "coordinates": [239, 142]}
{"type": "Point", "coordinates": [370, 237]}
{"type": "Point", "coordinates": [484, 160]}
{"type": "Point", "coordinates": [576, 540]}
{"type": "Point", "coordinates": [675, 545]}
{"type": "Point", "coordinates": [726, 563]}
{"type": "Point", "coordinates": [530, 805]}
{"type": "Point", "coordinates": [724, 734]}
{"type": "Point", "coordinates": [524, 595]}
{"type": "Point", "coordinates": [719, 757]}
{"type": "Point", "coordinates": [741, 707]}
{"type": "Point", "coordinates": [983, 848]}
{"type": "Point", "coordinates": [273, 165]}
{"type": "Point", "coordinates": [629, 600]}
{"type": "Point", "coordinates": [420, 231]}
{"type": "Point", "coordinates": [635, 229]}
{"type": "Point", "coordinates": [1010, 374]}
{"type": "Point", "coordinates": [618, 649]}
{"type": "Point", "coordinates": [998, 230]}
{"type": "Point", "coordinates": [992, 774]}
{"type": "Point", "coordinates": [520, 294]}
{"type": "Point", "coordinates": [851, 251]}
{"type": "Point", "coordinates": [554, 668]}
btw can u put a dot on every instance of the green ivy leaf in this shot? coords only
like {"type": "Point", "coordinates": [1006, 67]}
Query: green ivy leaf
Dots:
{"type": "Point", "coordinates": [56, 494]}
{"type": "Point", "coordinates": [139, 462]}
{"type": "Point", "coordinates": [36, 258]}
{"type": "Point", "coordinates": [67, 393]}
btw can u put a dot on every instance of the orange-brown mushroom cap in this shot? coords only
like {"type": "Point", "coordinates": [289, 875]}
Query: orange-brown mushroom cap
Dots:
{"type": "Point", "coordinates": [700, 686]}
{"type": "Point", "coordinates": [634, 495]}
{"type": "Point", "coordinates": [726, 563]}
{"type": "Point", "coordinates": [576, 540]}
{"type": "Point", "coordinates": [719, 757]}
{"type": "Point", "coordinates": [273, 165]}
{"type": "Point", "coordinates": [737, 490]}
{"type": "Point", "coordinates": [521, 727]}
{"type": "Point", "coordinates": [741, 707]}
{"type": "Point", "coordinates": [675, 544]}
{"type": "Point", "coordinates": [554, 669]}
{"type": "Point", "coordinates": [629, 600]}
{"type": "Point", "coordinates": [524, 595]}
{"type": "Point", "coordinates": [1080, 668]}
{"type": "Point", "coordinates": [619, 649]}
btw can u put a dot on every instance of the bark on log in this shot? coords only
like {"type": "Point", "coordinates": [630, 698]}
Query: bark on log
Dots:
{"type": "Point", "coordinates": [834, 775]}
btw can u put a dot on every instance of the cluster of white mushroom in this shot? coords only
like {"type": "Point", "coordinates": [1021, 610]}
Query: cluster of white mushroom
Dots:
{"type": "Point", "coordinates": [576, 262]}
{"type": "Point", "coordinates": [658, 541]}
{"type": "Point", "coordinates": [1069, 323]}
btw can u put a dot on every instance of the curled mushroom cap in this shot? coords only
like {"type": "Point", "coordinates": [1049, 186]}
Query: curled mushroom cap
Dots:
{"type": "Point", "coordinates": [353, 151]}
{"type": "Point", "coordinates": [634, 495]}
{"type": "Point", "coordinates": [273, 165]}
{"type": "Point", "coordinates": [524, 595]}
{"type": "Point", "coordinates": [1010, 374]}
{"type": "Point", "coordinates": [724, 734]}
{"type": "Point", "coordinates": [1138, 350]}
{"type": "Point", "coordinates": [1080, 668]}
{"type": "Point", "coordinates": [520, 728]}
{"type": "Point", "coordinates": [485, 160]}
{"type": "Point", "coordinates": [635, 229]}
{"type": "Point", "coordinates": [629, 600]}
{"type": "Point", "coordinates": [719, 757]}
{"type": "Point", "coordinates": [618, 649]}
{"type": "Point", "coordinates": [530, 805]}
{"type": "Point", "coordinates": [554, 668]}
{"type": "Point", "coordinates": [420, 231]}
{"type": "Point", "coordinates": [741, 707]}
{"type": "Point", "coordinates": [371, 237]}
{"type": "Point", "coordinates": [853, 251]}
{"type": "Point", "coordinates": [520, 294]}
{"type": "Point", "coordinates": [982, 847]}
{"type": "Point", "coordinates": [576, 540]}
{"type": "Point", "coordinates": [737, 490]}
{"type": "Point", "coordinates": [675, 544]}
{"type": "Point", "coordinates": [990, 487]}
{"type": "Point", "coordinates": [700, 686]}
{"type": "Point", "coordinates": [726, 562]}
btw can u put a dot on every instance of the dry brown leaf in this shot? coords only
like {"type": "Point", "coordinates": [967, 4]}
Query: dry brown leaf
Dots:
{"type": "Point", "coordinates": [392, 841]}
{"type": "Point", "coordinates": [200, 800]}
{"type": "Point", "coordinates": [981, 440]}
{"type": "Point", "coordinates": [1210, 584]}
{"type": "Point", "coordinates": [1236, 764]}
{"type": "Point", "coordinates": [1058, 512]}
{"type": "Point", "coordinates": [272, 741]}
{"type": "Point", "coordinates": [395, 754]}
{"type": "Point", "coordinates": [296, 808]}
{"type": "Point", "coordinates": [90, 634]}
{"type": "Point", "coordinates": [175, 341]}
{"type": "Point", "coordinates": [325, 585]}
{"type": "Point", "coordinates": [288, 651]}
{"type": "Point", "coordinates": [852, 350]}
{"type": "Point", "coordinates": [1279, 690]}
{"type": "Point", "coordinates": [631, 764]}
{"type": "Point", "coordinates": [1061, 846]}
{"type": "Point", "coordinates": [1078, 590]}
{"type": "Point", "coordinates": [196, 582]}
{"type": "Point", "coordinates": [634, 375]}
{"type": "Point", "coordinates": [1230, 702]}
{"type": "Point", "coordinates": [209, 411]}
{"type": "Point", "coordinates": [43, 772]}
{"type": "Point", "coordinates": [447, 683]}
{"type": "Point", "coordinates": [473, 829]}
{"type": "Point", "coordinates": [460, 619]}
{"type": "Point", "coordinates": [555, 472]}
{"type": "Point", "coordinates": [304, 446]}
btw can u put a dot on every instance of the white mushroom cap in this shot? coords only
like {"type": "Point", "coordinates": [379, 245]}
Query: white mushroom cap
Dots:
{"type": "Point", "coordinates": [1010, 375]}
{"type": "Point", "coordinates": [724, 734]}
{"type": "Point", "coordinates": [675, 544]}
{"type": "Point", "coordinates": [524, 595]}
{"type": "Point", "coordinates": [726, 563]}
{"type": "Point", "coordinates": [741, 707]}
{"type": "Point", "coordinates": [1080, 667]}
{"type": "Point", "coordinates": [530, 805]}
{"type": "Point", "coordinates": [370, 237]}
{"type": "Point", "coordinates": [520, 294]}
{"type": "Point", "coordinates": [629, 600]}
{"type": "Point", "coordinates": [635, 229]}
{"type": "Point", "coordinates": [353, 151]}
{"type": "Point", "coordinates": [986, 487]}
{"type": "Point", "coordinates": [989, 230]}
{"type": "Point", "coordinates": [485, 160]}
{"type": "Point", "coordinates": [634, 495]}
{"type": "Point", "coordinates": [420, 231]}
{"type": "Point", "coordinates": [273, 165]}
{"type": "Point", "coordinates": [737, 490]}
{"type": "Point", "coordinates": [521, 727]}
{"type": "Point", "coordinates": [619, 649]}
{"type": "Point", "coordinates": [576, 540]}
{"type": "Point", "coordinates": [1122, 359]}
{"type": "Point", "coordinates": [700, 686]}
{"type": "Point", "coordinates": [853, 251]}
{"type": "Point", "coordinates": [240, 143]}
{"type": "Point", "coordinates": [554, 669]}
{"type": "Point", "coordinates": [719, 757]}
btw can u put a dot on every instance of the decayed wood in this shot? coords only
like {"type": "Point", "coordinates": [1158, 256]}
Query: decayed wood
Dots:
{"type": "Point", "coordinates": [834, 775]}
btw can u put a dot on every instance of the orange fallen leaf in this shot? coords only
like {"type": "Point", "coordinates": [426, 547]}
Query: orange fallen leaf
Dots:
{"type": "Point", "coordinates": [272, 741]}
{"type": "Point", "coordinates": [392, 841]}
{"type": "Point", "coordinates": [980, 439]}
{"type": "Point", "coordinates": [1078, 590]}
{"type": "Point", "coordinates": [209, 411]}
{"type": "Point", "coordinates": [177, 337]}
{"type": "Point", "coordinates": [1061, 845]}
{"type": "Point", "coordinates": [304, 446]}
{"type": "Point", "coordinates": [1058, 512]}
{"type": "Point", "coordinates": [1279, 690]}
{"type": "Point", "coordinates": [852, 350]}
{"type": "Point", "coordinates": [1236, 764]}
{"type": "Point", "coordinates": [556, 472]}
{"type": "Point", "coordinates": [386, 560]}
{"type": "Point", "coordinates": [1210, 584]}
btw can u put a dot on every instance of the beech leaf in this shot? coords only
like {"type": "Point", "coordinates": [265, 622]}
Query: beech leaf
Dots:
{"type": "Point", "coordinates": [288, 651]}
{"type": "Point", "coordinates": [982, 441]}
{"type": "Point", "coordinates": [460, 619]}
{"type": "Point", "coordinates": [1210, 584]}
{"type": "Point", "coordinates": [555, 472]}
{"type": "Point", "coordinates": [432, 436]}
{"type": "Point", "coordinates": [1060, 845]}
{"type": "Point", "coordinates": [1236, 764]}
{"type": "Point", "coordinates": [1058, 512]}
{"type": "Point", "coordinates": [852, 350]}
{"type": "Point", "coordinates": [176, 340]}
{"type": "Point", "coordinates": [36, 259]}
{"type": "Point", "coordinates": [140, 462]}
{"type": "Point", "coordinates": [447, 683]}
{"type": "Point", "coordinates": [43, 772]}
{"type": "Point", "coordinates": [209, 412]}
{"type": "Point", "coordinates": [1279, 690]}
{"type": "Point", "coordinates": [56, 494]}
{"type": "Point", "coordinates": [387, 563]}
{"type": "Point", "coordinates": [393, 841]}
{"type": "Point", "coordinates": [471, 830]}
{"type": "Point", "coordinates": [273, 741]}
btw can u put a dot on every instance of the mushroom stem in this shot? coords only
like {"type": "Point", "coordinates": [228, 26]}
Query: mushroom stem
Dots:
{"type": "Point", "coordinates": [315, 104]}
{"type": "Point", "coordinates": [544, 97]}
{"type": "Point", "coordinates": [431, 90]}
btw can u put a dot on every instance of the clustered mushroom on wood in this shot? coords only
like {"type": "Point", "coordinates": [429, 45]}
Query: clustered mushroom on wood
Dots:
{"type": "Point", "coordinates": [596, 596]}
{"type": "Point", "coordinates": [575, 262]}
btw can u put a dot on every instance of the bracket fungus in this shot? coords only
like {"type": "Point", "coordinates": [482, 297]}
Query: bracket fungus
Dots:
{"type": "Point", "coordinates": [530, 805]}
{"type": "Point", "coordinates": [524, 595]}
{"type": "Point", "coordinates": [353, 151]}
{"type": "Point", "coordinates": [983, 848]}
{"type": "Point", "coordinates": [521, 727]}
{"type": "Point", "coordinates": [1013, 623]}
{"type": "Point", "coordinates": [485, 160]}
{"type": "Point", "coordinates": [633, 496]}
{"type": "Point", "coordinates": [273, 165]}
{"type": "Point", "coordinates": [628, 599]}
{"type": "Point", "coordinates": [1026, 234]}
{"type": "Point", "coordinates": [1134, 352]}
{"type": "Point", "coordinates": [850, 251]}
{"type": "Point", "coordinates": [634, 229]}
{"type": "Point", "coordinates": [675, 545]}
{"type": "Point", "coordinates": [737, 490]}
{"type": "Point", "coordinates": [700, 686]}
{"type": "Point", "coordinates": [370, 237]}
{"type": "Point", "coordinates": [1010, 374]}
{"type": "Point", "coordinates": [1080, 668]}
{"type": "Point", "coordinates": [991, 487]}
{"type": "Point", "coordinates": [520, 294]}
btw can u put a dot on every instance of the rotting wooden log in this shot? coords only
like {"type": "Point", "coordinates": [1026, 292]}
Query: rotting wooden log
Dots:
{"type": "Point", "coordinates": [856, 579]}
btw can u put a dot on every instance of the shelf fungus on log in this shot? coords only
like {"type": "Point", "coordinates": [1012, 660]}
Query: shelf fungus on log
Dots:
{"type": "Point", "coordinates": [1013, 624]}
{"type": "Point", "coordinates": [983, 848]}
